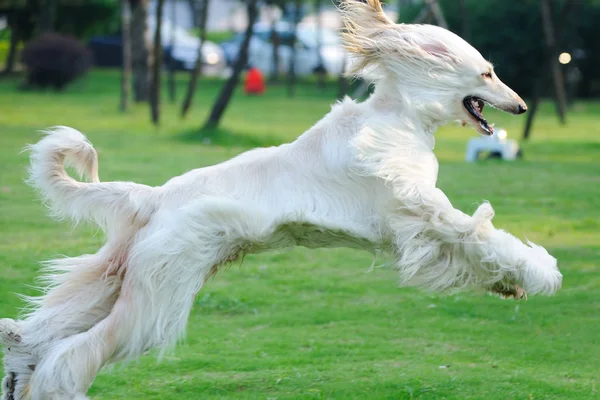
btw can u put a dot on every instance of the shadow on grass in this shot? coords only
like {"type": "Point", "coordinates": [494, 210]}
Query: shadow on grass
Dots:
{"type": "Point", "coordinates": [227, 138]}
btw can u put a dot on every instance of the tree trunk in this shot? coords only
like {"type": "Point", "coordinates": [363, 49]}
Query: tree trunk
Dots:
{"type": "Point", "coordinates": [47, 16]}
{"type": "Point", "coordinates": [534, 104]}
{"type": "Point", "coordinates": [156, 66]}
{"type": "Point", "coordinates": [197, 71]}
{"type": "Point", "coordinates": [171, 75]}
{"type": "Point", "coordinates": [424, 16]}
{"type": "Point", "coordinates": [242, 60]}
{"type": "Point", "coordinates": [436, 10]}
{"type": "Point", "coordinates": [139, 49]}
{"type": "Point", "coordinates": [193, 13]}
{"type": "Point", "coordinates": [557, 76]}
{"type": "Point", "coordinates": [275, 56]}
{"type": "Point", "coordinates": [292, 66]}
{"type": "Point", "coordinates": [126, 67]}
{"type": "Point", "coordinates": [549, 57]}
{"type": "Point", "coordinates": [321, 71]}
{"type": "Point", "coordinates": [568, 7]}
{"type": "Point", "coordinates": [11, 58]}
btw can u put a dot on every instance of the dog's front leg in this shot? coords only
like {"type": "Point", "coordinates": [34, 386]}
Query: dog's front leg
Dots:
{"type": "Point", "coordinates": [441, 248]}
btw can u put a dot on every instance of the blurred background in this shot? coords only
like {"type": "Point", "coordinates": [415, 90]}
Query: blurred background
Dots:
{"type": "Point", "coordinates": [162, 87]}
{"type": "Point", "coordinates": [540, 47]}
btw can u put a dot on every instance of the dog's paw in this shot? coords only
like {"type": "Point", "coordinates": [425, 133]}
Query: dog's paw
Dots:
{"type": "Point", "coordinates": [8, 386]}
{"type": "Point", "coordinates": [540, 273]}
{"type": "Point", "coordinates": [10, 332]}
{"type": "Point", "coordinates": [509, 292]}
{"type": "Point", "coordinates": [482, 219]}
{"type": "Point", "coordinates": [484, 212]}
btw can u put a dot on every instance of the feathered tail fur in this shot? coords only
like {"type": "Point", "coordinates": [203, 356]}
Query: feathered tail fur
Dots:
{"type": "Point", "coordinates": [107, 204]}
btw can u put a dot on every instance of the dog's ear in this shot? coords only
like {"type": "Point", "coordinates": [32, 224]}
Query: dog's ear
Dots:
{"type": "Point", "coordinates": [411, 41]}
{"type": "Point", "coordinates": [363, 21]}
{"type": "Point", "coordinates": [373, 38]}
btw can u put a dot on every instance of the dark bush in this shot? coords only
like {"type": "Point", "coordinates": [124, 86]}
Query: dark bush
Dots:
{"type": "Point", "coordinates": [55, 60]}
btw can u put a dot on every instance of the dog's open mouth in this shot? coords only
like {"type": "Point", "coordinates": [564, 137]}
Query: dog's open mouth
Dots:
{"type": "Point", "coordinates": [474, 106]}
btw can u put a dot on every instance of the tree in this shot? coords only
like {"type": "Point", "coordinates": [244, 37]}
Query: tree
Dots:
{"type": "Point", "coordinates": [156, 66]}
{"type": "Point", "coordinates": [552, 35]}
{"type": "Point", "coordinates": [26, 19]}
{"type": "Point", "coordinates": [78, 18]}
{"type": "Point", "coordinates": [11, 58]}
{"type": "Point", "coordinates": [275, 5]}
{"type": "Point", "coordinates": [275, 56]}
{"type": "Point", "coordinates": [172, 66]}
{"type": "Point", "coordinates": [436, 11]}
{"type": "Point", "coordinates": [197, 71]}
{"type": "Point", "coordinates": [126, 40]}
{"type": "Point", "coordinates": [193, 12]}
{"type": "Point", "coordinates": [465, 30]}
{"type": "Point", "coordinates": [22, 26]}
{"type": "Point", "coordinates": [551, 45]}
{"type": "Point", "coordinates": [292, 66]}
{"type": "Point", "coordinates": [321, 71]}
{"type": "Point", "coordinates": [139, 49]}
{"type": "Point", "coordinates": [227, 91]}
{"type": "Point", "coordinates": [47, 16]}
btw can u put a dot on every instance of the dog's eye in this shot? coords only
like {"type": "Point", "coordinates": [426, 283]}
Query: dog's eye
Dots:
{"type": "Point", "coordinates": [487, 75]}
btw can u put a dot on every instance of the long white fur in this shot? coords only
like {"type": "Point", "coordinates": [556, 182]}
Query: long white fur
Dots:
{"type": "Point", "coordinates": [363, 177]}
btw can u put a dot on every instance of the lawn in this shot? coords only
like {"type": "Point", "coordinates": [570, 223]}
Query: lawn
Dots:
{"type": "Point", "coordinates": [321, 324]}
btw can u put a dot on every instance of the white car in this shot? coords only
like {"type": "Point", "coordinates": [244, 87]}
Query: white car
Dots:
{"type": "Point", "coordinates": [184, 52]}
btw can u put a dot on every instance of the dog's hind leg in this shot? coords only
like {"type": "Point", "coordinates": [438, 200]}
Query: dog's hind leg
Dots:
{"type": "Point", "coordinates": [165, 269]}
{"type": "Point", "coordinates": [81, 294]}
{"type": "Point", "coordinates": [142, 318]}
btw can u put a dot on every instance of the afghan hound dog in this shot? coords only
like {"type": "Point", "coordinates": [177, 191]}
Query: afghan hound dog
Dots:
{"type": "Point", "coordinates": [363, 177]}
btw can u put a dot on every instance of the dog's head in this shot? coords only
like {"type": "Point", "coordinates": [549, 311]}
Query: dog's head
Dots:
{"type": "Point", "coordinates": [430, 66]}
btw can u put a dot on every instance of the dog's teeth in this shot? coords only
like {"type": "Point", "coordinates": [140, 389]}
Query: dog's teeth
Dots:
{"type": "Point", "coordinates": [477, 105]}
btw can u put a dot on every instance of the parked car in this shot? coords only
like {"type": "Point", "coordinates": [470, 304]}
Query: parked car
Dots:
{"type": "Point", "coordinates": [184, 51]}
{"type": "Point", "coordinates": [307, 57]}
{"type": "Point", "coordinates": [107, 50]}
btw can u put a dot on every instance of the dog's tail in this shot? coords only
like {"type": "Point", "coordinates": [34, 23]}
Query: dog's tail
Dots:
{"type": "Point", "coordinates": [101, 202]}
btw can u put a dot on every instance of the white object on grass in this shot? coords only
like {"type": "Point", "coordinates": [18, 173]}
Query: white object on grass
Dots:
{"type": "Point", "coordinates": [497, 143]}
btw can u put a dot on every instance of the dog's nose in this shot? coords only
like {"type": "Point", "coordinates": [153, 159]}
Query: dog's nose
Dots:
{"type": "Point", "coordinates": [521, 108]}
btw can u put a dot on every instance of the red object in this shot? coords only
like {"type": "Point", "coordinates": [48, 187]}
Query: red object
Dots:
{"type": "Point", "coordinates": [255, 82]}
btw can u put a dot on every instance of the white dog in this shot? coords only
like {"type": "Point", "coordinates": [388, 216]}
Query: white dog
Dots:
{"type": "Point", "coordinates": [363, 177]}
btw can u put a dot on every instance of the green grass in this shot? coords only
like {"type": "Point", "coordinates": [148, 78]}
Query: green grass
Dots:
{"type": "Point", "coordinates": [218, 37]}
{"type": "Point", "coordinates": [318, 324]}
